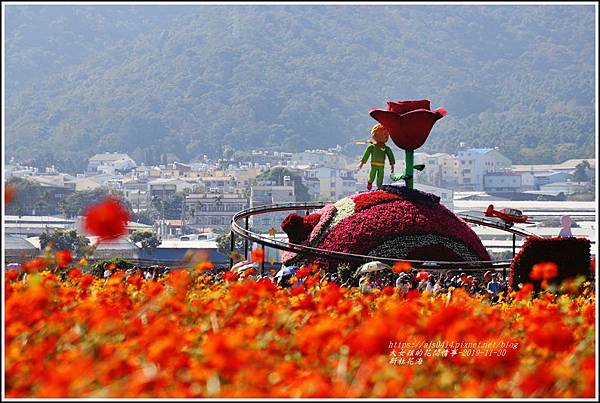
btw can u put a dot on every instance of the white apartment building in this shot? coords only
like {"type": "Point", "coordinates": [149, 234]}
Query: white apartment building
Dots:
{"type": "Point", "coordinates": [111, 162]}
{"type": "Point", "coordinates": [330, 157]}
{"type": "Point", "coordinates": [265, 193]}
{"type": "Point", "coordinates": [333, 183]}
{"type": "Point", "coordinates": [211, 211]}
{"type": "Point", "coordinates": [475, 163]}
{"type": "Point", "coordinates": [441, 169]}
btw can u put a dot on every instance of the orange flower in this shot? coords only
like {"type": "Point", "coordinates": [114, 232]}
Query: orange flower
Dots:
{"type": "Point", "coordinates": [63, 258]}
{"type": "Point", "coordinates": [204, 266]}
{"type": "Point", "coordinates": [107, 219]}
{"type": "Point", "coordinates": [230, 276]}
{"type": "Point", "coordinates": [11, 275]}
{"type": "Point", "coordinates": [34, 265]}
{"type": "Point", "coordinates": [544, 271]}
{"type": "Point", "coordinates": [74, 273]}
{"type": "Point", "coordinates": [303, 272]}
{"type": "Point", "coordinates": [401, 267]}
{"type": "Point", "coordinates": [258, 255]}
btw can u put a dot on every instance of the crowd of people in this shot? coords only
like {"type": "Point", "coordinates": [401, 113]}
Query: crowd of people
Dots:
{"type": "Point", "coordinates": [489, 284]}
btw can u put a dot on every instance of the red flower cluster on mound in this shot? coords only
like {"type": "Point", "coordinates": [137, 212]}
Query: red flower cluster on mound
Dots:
{"type": "Point", "coordinates": [571, 255]}
{"type": "Point", "coordinates": [298, 227]}
{"type": "Point", "coordinates": [365, 230]}
{"type": "Point", "coordinates": [392, 222]}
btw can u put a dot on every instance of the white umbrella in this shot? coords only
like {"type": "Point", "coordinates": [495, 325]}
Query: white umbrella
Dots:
{"type": "Point", "coordinates": [372, 266]}
{"type": "Point", "coordinates": [286, 271]}
{"type": "Point", "coordinates": [245, 267]}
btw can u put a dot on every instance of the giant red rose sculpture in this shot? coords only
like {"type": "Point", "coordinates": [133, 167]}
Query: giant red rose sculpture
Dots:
{"type": "Point", "coordinates": [408, 122]}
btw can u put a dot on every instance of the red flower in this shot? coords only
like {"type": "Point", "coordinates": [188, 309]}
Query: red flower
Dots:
{"type": "Point", "coordinates": [401, 267]}
{"type": "Point", "coordinates": [257, 255]}
{"type": "Point", "coordinates": [230, 276]}
{"type": "Point", "coordinates": [408, 122]}
{"type": "Point", "coordinates": [63, 258]}
{"type": "Point", "coordinates": [9, 193]}
{"type": "Point", "coordinates": [107, 219]}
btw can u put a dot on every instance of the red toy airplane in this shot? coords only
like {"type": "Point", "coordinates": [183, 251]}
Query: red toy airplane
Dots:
{"type": "Point", "coordinates": [508, 215]}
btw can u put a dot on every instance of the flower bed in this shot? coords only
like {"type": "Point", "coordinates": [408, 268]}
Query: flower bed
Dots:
{"type": "Point", "coordinates": [571, 255]}
{"type": "Point", "coordinates": [187, 336]}
{"type": "Point", "coordinates": [382, 219]}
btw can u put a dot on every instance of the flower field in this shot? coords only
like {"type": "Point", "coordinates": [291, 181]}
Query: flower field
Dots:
{"type": "Point", "coordinates": [188, 335]}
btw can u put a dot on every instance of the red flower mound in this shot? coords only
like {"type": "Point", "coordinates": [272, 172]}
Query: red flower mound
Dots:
{"type": "Point", "coordinates": [571, 255]}
{"type": "Point", "coordinates": [365, 200]}
{"type": "Point", "coordinates": [298, 227]}
{"type": "Point", "coordinates": [409, 122]}
{"type": "Point", "coordinates": [107, 219]}
{"type": "Point", "coordinates": [394, 222]}
{"type": "Point", "coordinates": [365, 230]}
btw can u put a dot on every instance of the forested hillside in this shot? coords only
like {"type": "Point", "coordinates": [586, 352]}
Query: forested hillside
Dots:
{"type": "Point", "coordinates": [192, 80]}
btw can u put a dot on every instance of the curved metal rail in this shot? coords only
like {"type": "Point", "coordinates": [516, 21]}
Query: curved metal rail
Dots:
{"type": "Point", "coordinates": [330, 254]}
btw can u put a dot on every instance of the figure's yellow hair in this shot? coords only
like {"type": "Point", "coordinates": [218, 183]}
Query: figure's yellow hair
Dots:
{"type": "Point", "coordinates": [379, 134]}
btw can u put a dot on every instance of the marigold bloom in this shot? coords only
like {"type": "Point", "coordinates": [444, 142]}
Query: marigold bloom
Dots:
{"type": "Point", "coordinates": [107, 219]}
{"type": "Point", "coordinates": [401, 267]}
{"type": "Point", "coordinates": [203, 266]}
{"type": "Point", "coordinates": [63, 258]}
{"type": "Point", "coordinates": [544, 271]}
{"type": "Point", "coordinates": [34, 265]}
{"type": "Point", "coordinates": [258, 255]}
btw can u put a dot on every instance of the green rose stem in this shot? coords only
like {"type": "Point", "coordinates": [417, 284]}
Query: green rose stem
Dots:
{"type": "Point", "coordinates": [409, 168]}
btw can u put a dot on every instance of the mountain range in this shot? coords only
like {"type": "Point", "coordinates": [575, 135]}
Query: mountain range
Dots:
{"type": "Point", "coordinates": [203, 79]}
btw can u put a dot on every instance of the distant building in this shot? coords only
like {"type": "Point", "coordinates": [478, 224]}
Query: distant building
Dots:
{"type": "Point", "coordinates": [334, 183]}
{"type": "Point", "coordinates": [266, 193]}
{"type": "Point", "coordinates": [446, 195]}
{"type": "Point", "coordinates": [111, 163]}
{"type": "Point", "coordinates": [167, 187]}
{"type": "Point", "coordinates": [502, 182]}
{"type": "Point", "coordinates": [212, 211]}
{"type": "Point", "coordinates": [328, 158]}
{"type": "Point", "coordinates": [475, 163]}
{"type": "Point", "coordinates": [441, 169]}
{"type": "Point", "coordinates": [218, 184]}
{"type": "Point", "coordinates": [28, 225]}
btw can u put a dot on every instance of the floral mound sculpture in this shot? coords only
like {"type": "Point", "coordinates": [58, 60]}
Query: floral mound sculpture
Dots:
{"type": "Point", "coordinates": [395, 222]}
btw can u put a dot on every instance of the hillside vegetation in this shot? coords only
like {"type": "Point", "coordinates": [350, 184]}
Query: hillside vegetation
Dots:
{"type": "Point", "coordinates": [190, 80]}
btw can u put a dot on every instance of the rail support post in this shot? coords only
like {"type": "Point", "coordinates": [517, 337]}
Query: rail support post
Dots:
{"type": "Point", "coordinates": [231, 248]}
{"type": "Point", "coordinates": [246, 241]}
{"type": "Point", "coordinates": [262, 264]}
{"type": "Point", "coordinates": [514, 244]}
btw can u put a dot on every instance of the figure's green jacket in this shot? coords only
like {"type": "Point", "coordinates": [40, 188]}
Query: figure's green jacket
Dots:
{"type": "Point", "coordinates": [378, 155]}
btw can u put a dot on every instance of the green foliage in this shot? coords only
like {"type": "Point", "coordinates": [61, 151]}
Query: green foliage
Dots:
{"type": "Point", "coordinates": [75, 204]}
{"type": "Point", "coordinates": [117, 262]}
{"type": "Point", "coordinates": [28, 194]}
{"type": "Point", "coordinates": [345, 273]}
{"type": "Point", "coordinates": [580, 174]}
{"type": "Point", "coordinates": [144, 217]}
{"type": "Point", "coordinates": [66, 240]}
{"type": "Point", "coordinates": [224, 244]}
{"type": "Point", "coordinates": [278, 173]}
{"type": "Point", "coordinates": [148, 239]}
{"type": "Point", "coordinates": [188, 81]}
{"type": "Point", "coordinates": [170, 206]}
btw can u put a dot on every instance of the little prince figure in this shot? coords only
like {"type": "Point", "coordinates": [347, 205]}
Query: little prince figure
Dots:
{"type": "Point", "coordinates": [377, 150]}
